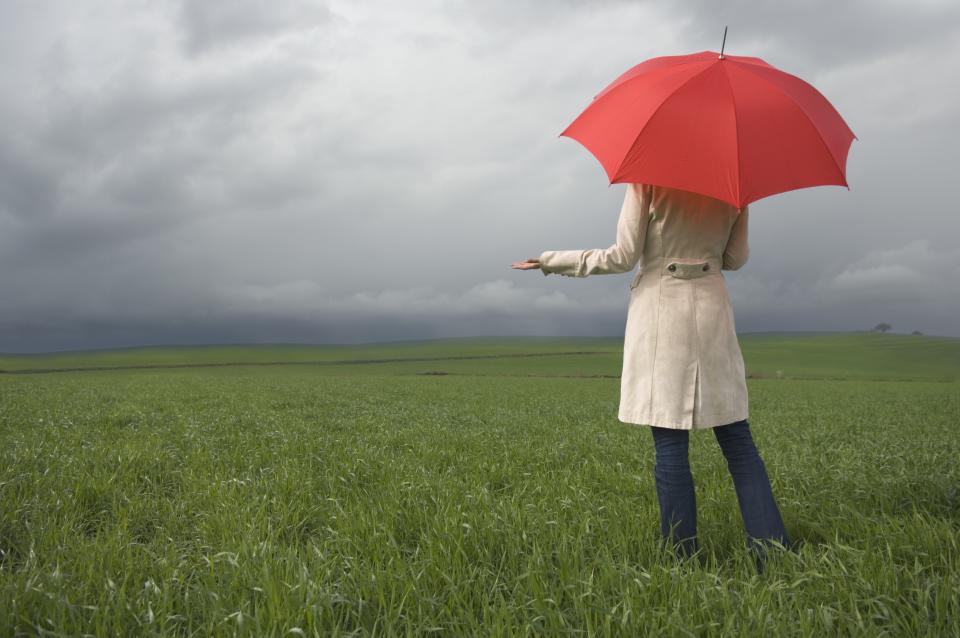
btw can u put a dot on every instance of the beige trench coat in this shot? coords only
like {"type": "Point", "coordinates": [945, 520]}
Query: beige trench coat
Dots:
{"type": "Point", "coordinates": [682, 365]}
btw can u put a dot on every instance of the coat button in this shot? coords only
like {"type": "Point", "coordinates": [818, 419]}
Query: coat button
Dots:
{"type": "Point", "coordinates": [706, 267]}
{"type": "Point", "coordinates": [672, 267]}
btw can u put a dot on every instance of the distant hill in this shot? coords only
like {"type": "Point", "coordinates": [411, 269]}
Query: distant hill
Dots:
{"type": "Point", "coordinates": [851, 354]}
{"type": "Point", "coordinates": [797, 355]}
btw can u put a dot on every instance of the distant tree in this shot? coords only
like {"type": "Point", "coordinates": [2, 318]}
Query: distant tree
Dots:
{"type": "Point", "coordinates": [882, 327]}
{"type": "Point", "coordinates": [916, 332]}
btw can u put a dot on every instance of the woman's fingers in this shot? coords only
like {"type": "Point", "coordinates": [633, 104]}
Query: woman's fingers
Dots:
{"type": "Point", "coordinates": [528, 264]}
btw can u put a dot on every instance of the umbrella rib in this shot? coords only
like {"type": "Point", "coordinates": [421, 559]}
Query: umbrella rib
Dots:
{"type": "Point", "coordinates": [657, 110]}
{"type": "Point", "coordinates": [812, 122]}
{"type": "Point", "coordinates": [736, 130]}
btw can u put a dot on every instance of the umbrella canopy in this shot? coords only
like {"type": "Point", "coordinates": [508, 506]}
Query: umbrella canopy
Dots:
{"type": "Point", "coordinates": [731, 127]}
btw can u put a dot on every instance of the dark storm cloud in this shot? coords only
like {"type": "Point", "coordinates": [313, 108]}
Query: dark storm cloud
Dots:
{"type": "Point", "coordinates": [189, 172]}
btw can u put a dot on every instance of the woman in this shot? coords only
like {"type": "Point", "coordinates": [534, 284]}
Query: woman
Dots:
{"type": "Point", "coordinates": [682, 365]}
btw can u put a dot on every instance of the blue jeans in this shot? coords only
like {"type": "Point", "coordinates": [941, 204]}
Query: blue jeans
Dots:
{"type": "Point", "coordinates": [678, 507]}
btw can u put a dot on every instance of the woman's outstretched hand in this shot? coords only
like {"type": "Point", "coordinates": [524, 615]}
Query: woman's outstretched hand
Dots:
{"type": "Point", "coordinates": [529, 264]}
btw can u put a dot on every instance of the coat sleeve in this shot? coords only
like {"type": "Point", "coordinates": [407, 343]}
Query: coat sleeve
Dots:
{"type": "Point", "coordinates": [738, 249]}
{"type": "Point", "coordinates": [622, 256]}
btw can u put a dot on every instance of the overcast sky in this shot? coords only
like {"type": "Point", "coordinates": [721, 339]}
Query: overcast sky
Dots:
{"type": "Point", "coordinates": [290, 171]}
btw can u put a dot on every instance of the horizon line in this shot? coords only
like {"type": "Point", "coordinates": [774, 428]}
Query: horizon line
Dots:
{"type": "Point", "coordinates": [426, 339]}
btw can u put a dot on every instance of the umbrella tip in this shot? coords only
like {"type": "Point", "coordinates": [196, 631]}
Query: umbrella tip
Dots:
{"type": "Point", "coordinates": [724, 43]}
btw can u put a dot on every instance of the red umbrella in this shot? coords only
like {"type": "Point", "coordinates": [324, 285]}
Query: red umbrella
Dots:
{"type": "Point", "coordinates": [731, 127]}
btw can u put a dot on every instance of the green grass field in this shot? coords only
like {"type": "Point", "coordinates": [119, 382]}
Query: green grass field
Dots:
{"type": "Point", "coordinates": [466, 488]}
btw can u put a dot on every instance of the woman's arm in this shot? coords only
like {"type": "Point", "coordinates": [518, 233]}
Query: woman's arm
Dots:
{"type": "Point", "coordinates": [738, 249]}
{"type": "Point", "coordinates": [621, 256]}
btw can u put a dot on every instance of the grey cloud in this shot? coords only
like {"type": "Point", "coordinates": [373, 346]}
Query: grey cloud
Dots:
{"type": "Point", "coordinates": [913, 286]}
{"type": "Point", "coordinates": [308, 299]}
{"type": "Point", "coordinates": [176, 172]}
{"type": "Point", "coordinates": [24, 182]}
{"type": "Point", "coordinates": [916, 272]}
{"type": "Point", "coordinates": [299, 311]}
{"type": "Point", "coordinates": [211, 24]}
{"type": "Point", "coordinates": [819, 34]}
{"type": "Point", "coordinates": [147, 154]}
